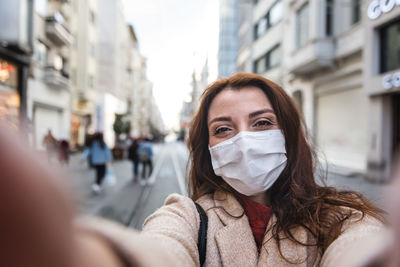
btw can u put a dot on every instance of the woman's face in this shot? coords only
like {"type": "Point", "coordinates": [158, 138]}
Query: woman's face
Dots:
{"type": "Point", "coordinates": [233, 111]}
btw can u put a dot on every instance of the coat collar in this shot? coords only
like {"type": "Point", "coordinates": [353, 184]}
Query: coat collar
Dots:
{"type": "Point", "coordinates": [233, 239]}
{"type": "Point", "coordinates": [236, 239]}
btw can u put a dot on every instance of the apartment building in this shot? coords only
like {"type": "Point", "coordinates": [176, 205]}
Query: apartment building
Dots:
{"type": "Point", "coordinates": [83, 70]}
{"type": "Point", "coordinates": [268, 39]}
{"type": "Point", "coordinates": [324, 73]}
{"type": "Point", "coordinates": [16, 19]}
{"type": "Point", "coordinates": [228, 40]}
{"type": "Point", "coordinates": [381, 82]}
{"type": "Point", "coordinates": [340, 62]}
{"type": "Point", "coordinates": [112, 66]}
{"type": "Point", "coordinates": [49, 84]}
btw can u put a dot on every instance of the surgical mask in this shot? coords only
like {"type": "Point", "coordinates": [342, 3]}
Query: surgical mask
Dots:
{"type": "Point", "coordinates": [250, 162]}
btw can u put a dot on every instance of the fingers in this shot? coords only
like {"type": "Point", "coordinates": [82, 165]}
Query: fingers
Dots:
{"type": "Point", "coordinates": [35, 211]}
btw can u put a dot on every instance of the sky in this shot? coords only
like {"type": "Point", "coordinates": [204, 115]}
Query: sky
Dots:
{"type": "Point", "coordinates": [176, 36]}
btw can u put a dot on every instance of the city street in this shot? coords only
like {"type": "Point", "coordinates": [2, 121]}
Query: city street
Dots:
{"type": "Point", "coordinates": [130, 203]}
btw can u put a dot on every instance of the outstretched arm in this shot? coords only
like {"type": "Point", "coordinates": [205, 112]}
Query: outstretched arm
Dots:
{"type": "Point", "coordinates": [37, 215]}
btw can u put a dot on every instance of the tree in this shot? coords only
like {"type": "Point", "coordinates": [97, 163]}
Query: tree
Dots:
{"type": "Point", "coordinates": [121, 126]}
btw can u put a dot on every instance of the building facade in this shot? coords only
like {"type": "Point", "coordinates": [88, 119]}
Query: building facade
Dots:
{"type": "Point", "coordinates": [381, 82]}
{"type": "Point", "coordinates": [228, 40]}
{"type": "Point", "coordinates": [83, 70]}
{"type": "Point", "coordinates": [16, 20]}
{"type": "Point", "coordinates": [49, 84]}
{"type": "Point", "coordinates": [340, 62]}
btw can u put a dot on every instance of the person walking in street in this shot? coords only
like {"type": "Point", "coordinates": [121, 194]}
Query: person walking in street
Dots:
{"type": "Point", "coordinates": [253, 198]}
{"type": "Point", "coordinates": [133, 156]}
{"type": "Point", "coordinates": [145, 153]}
{"type": "Point", "coordinates": [63, 152]}
{"type": "Point", "coordinates": [99, 155]}
{"type": "Point", "coordinates": [50, 143]}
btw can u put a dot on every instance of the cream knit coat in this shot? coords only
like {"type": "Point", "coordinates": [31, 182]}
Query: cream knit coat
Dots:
{"type": "Point", "coordinates": [169, 238]}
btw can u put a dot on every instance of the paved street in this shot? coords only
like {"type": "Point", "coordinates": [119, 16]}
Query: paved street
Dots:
{"type": "Point", "coordinates": [130, 203]}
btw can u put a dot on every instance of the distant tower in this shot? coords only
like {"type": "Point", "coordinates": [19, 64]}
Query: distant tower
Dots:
{"type": "Point", "coordinates": [228, 38]}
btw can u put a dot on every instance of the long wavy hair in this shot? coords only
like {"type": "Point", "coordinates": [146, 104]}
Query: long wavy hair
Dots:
{"type": "Point", "coordinates": [296, 199]}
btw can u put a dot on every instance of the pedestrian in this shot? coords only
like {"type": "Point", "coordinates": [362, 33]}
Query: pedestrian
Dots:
{"type": "Point", "coordinates": [63, 152]}
{"type": "Point", "coordinates": [253, 198]}
{"type": "Point", "coordinates": [145, 153]}
{"type": "Point", "coordinates": [99, 155]}
{"type": "Point", "coordinates": [133, 156]}
{"type": "Point", "coordinates": [50, 143]}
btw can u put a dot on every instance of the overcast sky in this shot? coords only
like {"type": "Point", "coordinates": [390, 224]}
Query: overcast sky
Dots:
{"type": "Point", "coordinates": [176, 36]}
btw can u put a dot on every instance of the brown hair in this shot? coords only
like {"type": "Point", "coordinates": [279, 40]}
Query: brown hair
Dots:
{"type": "Point", "coordinates": [296, 199]}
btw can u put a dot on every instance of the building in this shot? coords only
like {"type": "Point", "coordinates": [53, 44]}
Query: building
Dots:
{"type": "Point", "coordinates": [245, 36]}
{"type": "Point", "coordinates": [227, 52]}
{"type": "Point", "coordinates": [381, 82]}
{"type": "Point", "coordinates": [335, 58]}
{"type": "Point", "coordinates": [49, 85]}
{"type": "Point", "coordinates": [112, 66]}
{"type": "Point", "coordinates": [16, 19]}
{"type": "Point", "coordinates": [268, 35]}
{"type": "Point", "coordinates": [83, 70]}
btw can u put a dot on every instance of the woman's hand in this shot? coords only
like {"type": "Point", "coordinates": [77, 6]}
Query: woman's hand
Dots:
{"type": "Point", "coordinates": [37, 215]}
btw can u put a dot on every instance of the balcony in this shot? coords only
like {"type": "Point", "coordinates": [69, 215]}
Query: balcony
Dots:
{"type": "Point", "coordinates": [313, 56]}
{"type": "Point", "coordinates": [56, 31]}
{"type": "Point", "coordinates": [56, 78]}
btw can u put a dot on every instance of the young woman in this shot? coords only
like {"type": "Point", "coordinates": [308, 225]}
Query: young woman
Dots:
{"type": "Point", "coordinates": [99, 155]}
{"type": "Point", "coordinates": [252, 171]}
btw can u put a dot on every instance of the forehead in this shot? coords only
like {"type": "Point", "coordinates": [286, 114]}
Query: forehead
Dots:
{"type": "Point", "coordinates": [245, 100]}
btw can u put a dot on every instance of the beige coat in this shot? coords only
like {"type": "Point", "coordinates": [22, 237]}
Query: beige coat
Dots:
{"type": "Point", "coordinates": [169, 237]}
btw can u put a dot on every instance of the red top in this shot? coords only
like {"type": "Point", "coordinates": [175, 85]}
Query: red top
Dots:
{"type": "Point", "coordinates": [258, 215]}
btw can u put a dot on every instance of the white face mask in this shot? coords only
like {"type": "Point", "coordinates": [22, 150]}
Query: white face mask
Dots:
{"type": "Point", "coordinates": [250, 162]}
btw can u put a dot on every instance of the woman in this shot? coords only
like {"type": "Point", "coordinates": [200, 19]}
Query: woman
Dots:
{"type": "Point", "coordinates": [252, 171]}
{"type": "Point", "coordinates": [133, 156]}
{"type": "Point", "coordinates": [99, 155]}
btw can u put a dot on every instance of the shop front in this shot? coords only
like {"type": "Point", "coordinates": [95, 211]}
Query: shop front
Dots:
{"type": "Point", "coordinates": [382, 84]}
{"type": "Point", "coordinates": [10, 102]}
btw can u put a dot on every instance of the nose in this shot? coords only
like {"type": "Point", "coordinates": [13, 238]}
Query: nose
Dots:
{"type": "Point", "coordinates": [243, 126]}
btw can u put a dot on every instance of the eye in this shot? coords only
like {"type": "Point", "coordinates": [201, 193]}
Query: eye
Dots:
{"type": "Point", "coordinates": [263, 123]}
{"type": "Point", "coordinates": [221, 130]}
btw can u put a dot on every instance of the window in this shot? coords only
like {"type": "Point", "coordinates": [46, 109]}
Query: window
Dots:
{"type": "Point", "coordinates": [41, 7]}
{"type": "Point", "coordinates": [270, 60]}
{"type": "Point", "coordinates": [260, 65]}
{"type": "Point", "coordinates": [58, 62]}
{"type": "Point", "coordinates": [356, 11]}
{"type": "Point", "coordinates": [261, 27]}
{"type": "Point", "coordinates": [329, 18]}
{"type": "Point", "coordinates": [41, 53]}
{"type": "Point", "coordinates": [390, 47]}
{"type": "Point", "coordinates": [302, 25]}
{"type": "Point", "coordinates": [275, 13]}
{"type": "Point", "coordinates": [272, 17]}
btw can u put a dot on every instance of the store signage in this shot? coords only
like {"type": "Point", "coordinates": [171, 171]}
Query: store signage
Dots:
{"type": "Point", "coordinates": [391, 80]}
{"type": "Point", "coordinates": [377, 7]}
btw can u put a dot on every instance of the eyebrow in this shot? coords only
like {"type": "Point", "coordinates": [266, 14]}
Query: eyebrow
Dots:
{"type": "Point", "coordinates": [259, 112]}
{"type": "Point", "coordinates": [220, 119]}
{"type": "Point", "coordinates": [251, 115]}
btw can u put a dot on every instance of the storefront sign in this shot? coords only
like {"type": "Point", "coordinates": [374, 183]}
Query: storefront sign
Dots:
{"type": "Point", "coordinates": [391, 80]}
{"type": "Point", "coordinates": [8, 74]}
{"type": "Point", "coordinates": [377, 7]}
